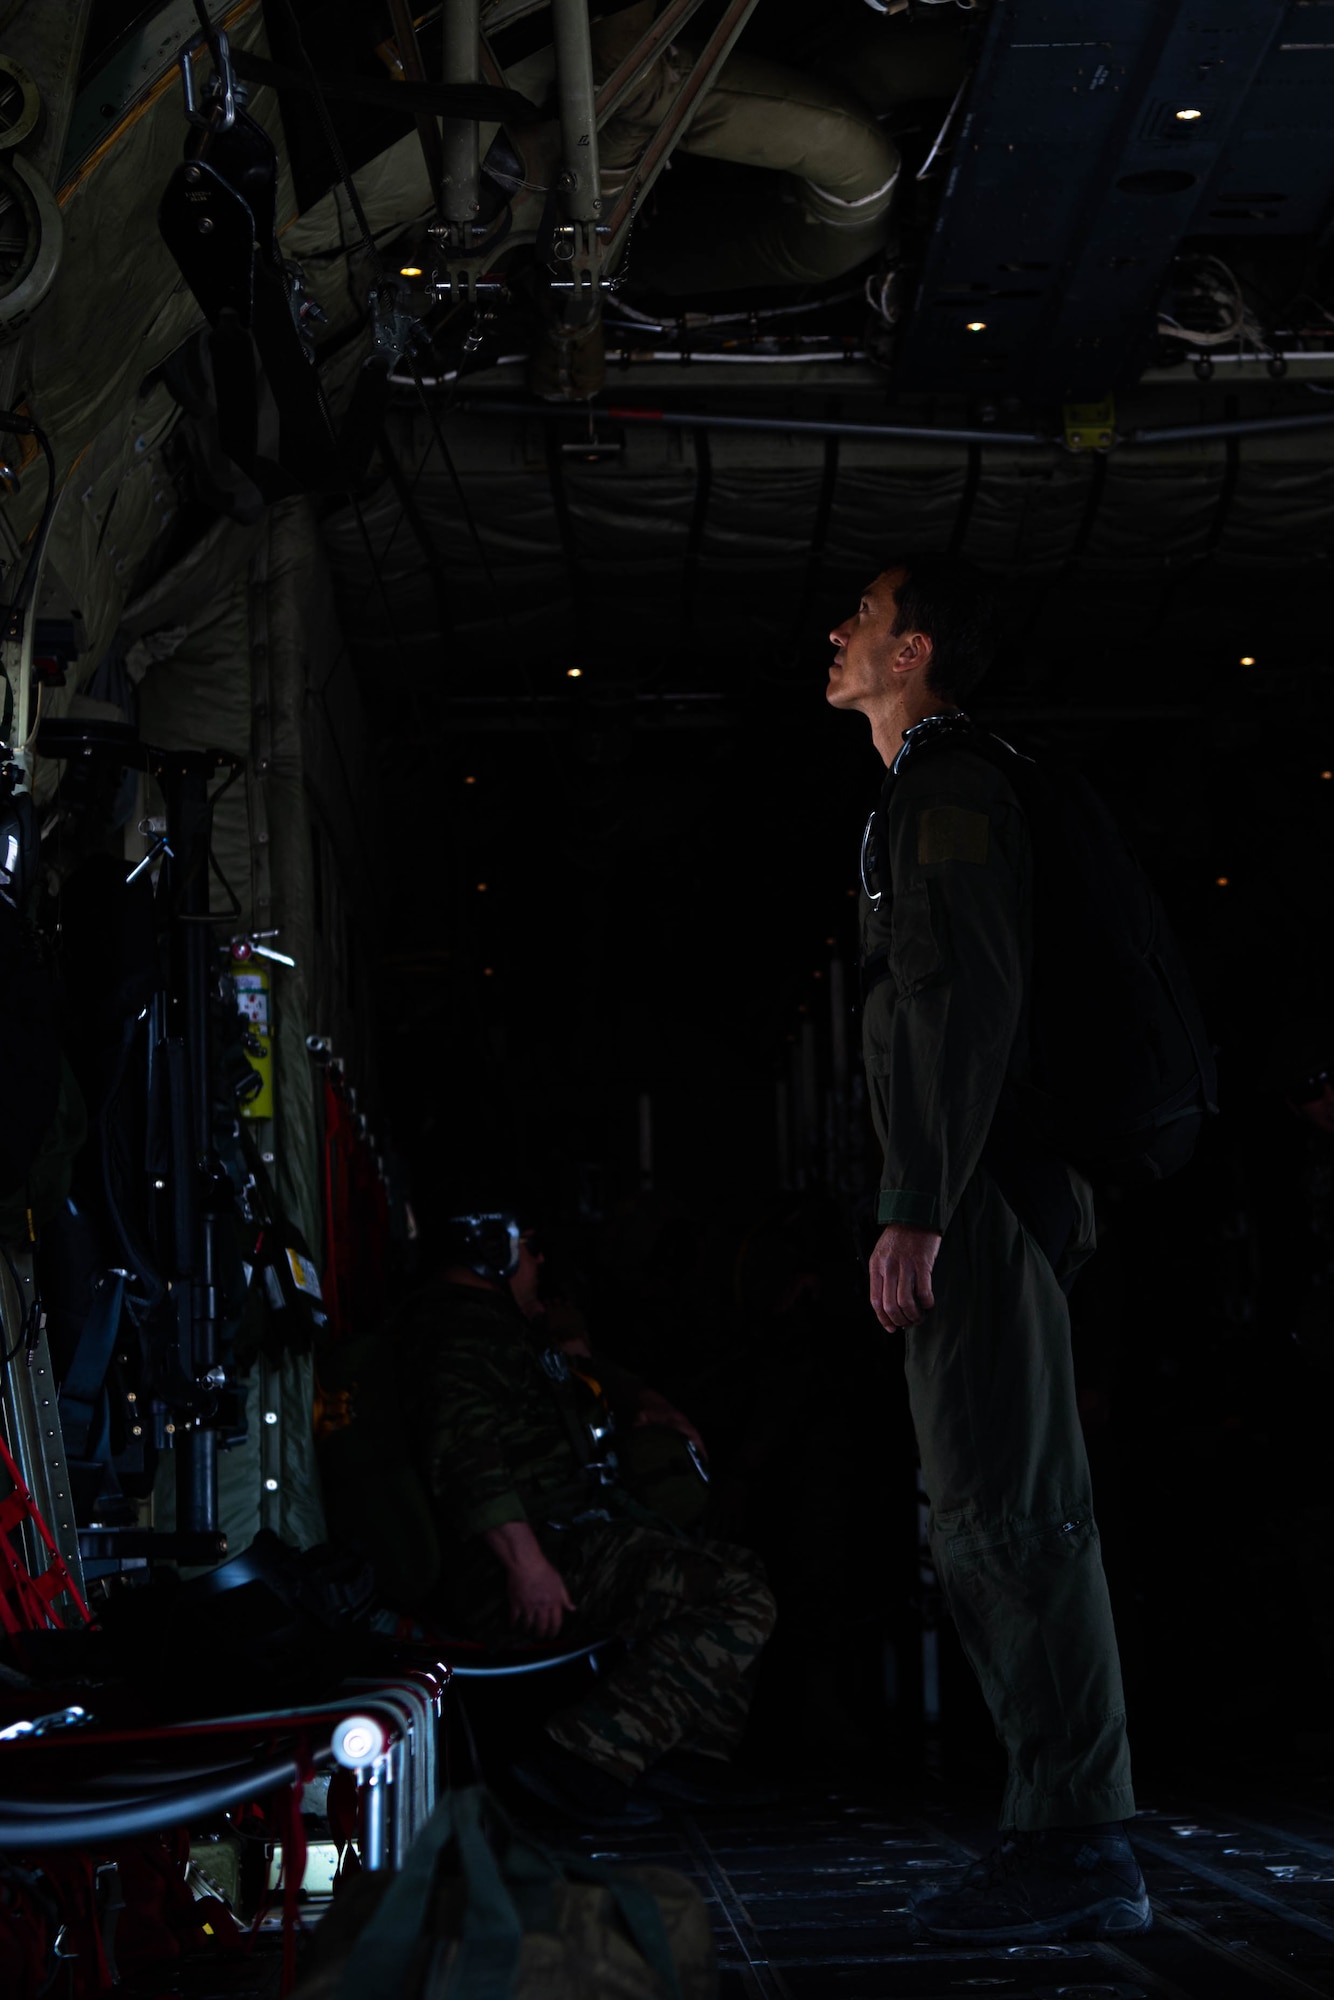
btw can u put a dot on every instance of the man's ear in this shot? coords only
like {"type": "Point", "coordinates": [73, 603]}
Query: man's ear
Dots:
{"type": "Point", "coordinates": [913, 654]}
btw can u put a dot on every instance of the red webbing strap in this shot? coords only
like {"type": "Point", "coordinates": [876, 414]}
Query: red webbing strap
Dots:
{"type": "Point", "coordinates": [33, 1595]}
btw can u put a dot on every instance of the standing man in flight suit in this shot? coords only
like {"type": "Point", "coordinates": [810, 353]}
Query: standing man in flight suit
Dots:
{"type": "Point", "coordinates": [978, 1292]}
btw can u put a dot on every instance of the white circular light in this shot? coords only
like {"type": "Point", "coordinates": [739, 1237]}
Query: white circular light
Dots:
{"type": "Point", "coordinates": [358, 1741]}
{"type": "Point", "coordinates": [1189, 116]}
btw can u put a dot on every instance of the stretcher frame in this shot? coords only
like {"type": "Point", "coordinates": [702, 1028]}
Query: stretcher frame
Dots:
{"type": "Point", "coordinates": [588, 246]}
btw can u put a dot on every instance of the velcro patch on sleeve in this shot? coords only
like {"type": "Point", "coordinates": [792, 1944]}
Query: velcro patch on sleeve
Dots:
{"type": "Point", "coordinates": [952, 833]}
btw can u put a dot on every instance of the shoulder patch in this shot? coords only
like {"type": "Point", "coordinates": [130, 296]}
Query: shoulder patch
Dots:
{"type": "Point", "coordinates": [952, 833]}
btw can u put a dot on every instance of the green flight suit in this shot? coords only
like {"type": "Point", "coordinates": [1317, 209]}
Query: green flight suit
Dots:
{"type": "Point", "coordinates": [990, 1375]}
{"type": "Point", "coordinates": [496, 1432]}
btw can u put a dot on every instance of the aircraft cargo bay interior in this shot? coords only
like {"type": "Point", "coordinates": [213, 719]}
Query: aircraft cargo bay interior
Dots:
{"type": "Point", "coordinates": [667, 999]}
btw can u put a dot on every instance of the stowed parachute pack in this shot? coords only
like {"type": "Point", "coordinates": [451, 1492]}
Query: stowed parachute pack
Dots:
{"type": "Point", "coordinates": [1123, 1076]}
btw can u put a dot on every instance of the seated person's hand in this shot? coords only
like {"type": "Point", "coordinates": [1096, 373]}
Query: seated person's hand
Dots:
{"type": "Point", "coordinates": [538, 1598]}
{"type": "Point", "coordinates": [655, 1409]}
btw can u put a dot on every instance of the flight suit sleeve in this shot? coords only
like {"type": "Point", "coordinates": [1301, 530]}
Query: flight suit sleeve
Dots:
{"type": "Point", "coordinates": [940, 1031]}
{"type": "Point", "coordinates": [470, 1474]}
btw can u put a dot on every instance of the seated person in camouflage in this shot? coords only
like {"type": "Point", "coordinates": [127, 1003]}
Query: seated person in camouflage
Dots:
{"type": "Point", "coordinates": [541, 1544]}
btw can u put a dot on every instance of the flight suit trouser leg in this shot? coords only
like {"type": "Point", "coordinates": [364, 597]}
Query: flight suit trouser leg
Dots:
{"type": "Point", "coordinates": [698, 1614]}
{"type": "Point", "coordinates": [1016, 1549]}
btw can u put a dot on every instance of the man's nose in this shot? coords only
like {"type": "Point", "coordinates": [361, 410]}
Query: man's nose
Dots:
{"type": "Point", "coordinates": [838, 637]}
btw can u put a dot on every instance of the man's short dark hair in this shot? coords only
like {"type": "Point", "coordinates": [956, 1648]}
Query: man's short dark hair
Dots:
{"type": "Point", "coordinates": [954, 605]}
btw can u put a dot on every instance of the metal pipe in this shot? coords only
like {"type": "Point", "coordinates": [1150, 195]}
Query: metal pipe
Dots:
{"type": "Point", "coordinates": [1234, 427]}
{"type": "Point", "coordinates": [523, 1666]}
{"type": "Point", "coordinates": [706, 420]}
{"type": "Point", "coordinates": [459, 184]}
{"type": "Point", "coordinates": [372, 1816]}
{"type": "Point", "coordinates": [410, 56]}
{"type": "Point", "coordinates": [581, 195]}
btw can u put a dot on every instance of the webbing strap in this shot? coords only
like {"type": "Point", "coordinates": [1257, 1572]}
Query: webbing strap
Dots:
{"type": "Point", "coordinates": [33, 1597]}
{"type": "Point", "coordinates": [81, 1392]}
{"type": "Point", "coordinates": [487, 1960]}
{"type": "Point", "coordinates": [485, 1963]}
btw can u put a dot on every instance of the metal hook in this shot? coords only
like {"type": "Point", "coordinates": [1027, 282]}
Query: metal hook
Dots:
{"type": "Point", "coordinates": [222, 87]}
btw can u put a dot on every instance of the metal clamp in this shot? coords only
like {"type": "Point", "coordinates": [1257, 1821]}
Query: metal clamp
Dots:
{"type": "Point", "coordinates": [579, 252]}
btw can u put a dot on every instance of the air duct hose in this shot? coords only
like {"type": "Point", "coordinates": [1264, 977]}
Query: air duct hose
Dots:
{"type": "Point", "coordinates": [88, 1824]}
{"type": "Point", "coordinates": [819, 209]}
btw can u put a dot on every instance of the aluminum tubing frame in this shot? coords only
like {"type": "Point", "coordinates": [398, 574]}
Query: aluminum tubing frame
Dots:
{"type": "Point", "coordinates": [394, 1793]}
{"type": "Point", "coordinates": [683, 106]}
{"type": "Point", "coordinates": [673, 16]}
{"type": "Point", "coordinates": [459, 185]}
{"type": "Point", "coordinates": [396, 1790]}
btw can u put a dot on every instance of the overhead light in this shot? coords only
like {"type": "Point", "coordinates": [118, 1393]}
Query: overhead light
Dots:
{"type": "Point", "coordinates": [1188, 117]}
{"type": "Point", "coordinates": [470, 781]}
{"type": "Point", "coordinates": [1247, 660]}
{"type": "Point", "coordinates": [1220, 881]}
{"type": "Point", "coordinates": [977, 326]}
{"type": "Point", "coordinates": [1327, 774]}
{"type": "Point", "coordinates": [488, 971]}
{"type": "Point", "coordinates": [481, 888]}
{"type": "Point", "coordinates": [574, 673]}
{"type": "Point", "coordinates": [415, 270]}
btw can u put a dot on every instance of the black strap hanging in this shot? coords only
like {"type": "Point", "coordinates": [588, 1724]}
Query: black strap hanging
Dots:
{"type": "Point", "coordinates": [218, 218]}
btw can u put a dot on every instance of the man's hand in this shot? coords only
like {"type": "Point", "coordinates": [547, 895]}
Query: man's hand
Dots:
{"type": "Point", "coordinates": [901, 1266]}
{"type": "Point", "coordinates": [538, 1599]}
{"type": "Point", "coordinates": [655, 1409]}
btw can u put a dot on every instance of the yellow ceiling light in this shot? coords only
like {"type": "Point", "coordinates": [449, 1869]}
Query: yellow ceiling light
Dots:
{"type": "Point", "coordinates": [1189, 116]}
{"type": "Point", "coordinates": [1221, 881]}
{"type": "Point", "coordinates": [410, 271]}
{"type": "Point", "coordinates": [977, 326]}
{"type": "Point", "coordinates": [1247, 660]}
{"type": "Point", "coordinates": [574, 673]}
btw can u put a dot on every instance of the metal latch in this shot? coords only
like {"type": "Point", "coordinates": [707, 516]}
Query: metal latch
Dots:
{"type": "Point", "coordinates": [1089, 426]}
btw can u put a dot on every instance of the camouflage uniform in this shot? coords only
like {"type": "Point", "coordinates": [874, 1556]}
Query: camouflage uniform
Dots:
{"type": "Point", "coordinates": [497, 1435]}
{"type": "Point", "coordinates": [990, 1375]}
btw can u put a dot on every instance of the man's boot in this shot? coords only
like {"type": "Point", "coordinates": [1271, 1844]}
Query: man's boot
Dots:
{"type": "Point", "coordinates": [1066, 1882]}
{"type": "Point", "coordinates": [581, 1791]}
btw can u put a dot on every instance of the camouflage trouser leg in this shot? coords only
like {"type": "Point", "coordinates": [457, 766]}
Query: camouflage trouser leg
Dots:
{"type": "Point", "coordinates": [696, 1616]}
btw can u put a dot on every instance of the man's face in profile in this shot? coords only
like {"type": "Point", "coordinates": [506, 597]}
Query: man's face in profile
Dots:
{"type": "Point", "coordinates": [864, 644]}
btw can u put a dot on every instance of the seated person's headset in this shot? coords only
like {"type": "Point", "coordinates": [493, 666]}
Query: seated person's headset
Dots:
{"type": "Point", "coordinates": [488, 1243]}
